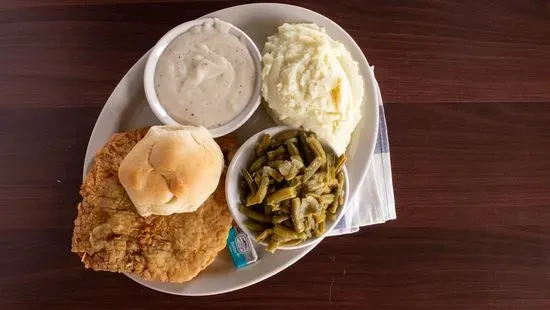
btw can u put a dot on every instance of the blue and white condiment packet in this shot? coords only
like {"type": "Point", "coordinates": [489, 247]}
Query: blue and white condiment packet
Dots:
{"type": "Point", "coordinates": [241, 248]}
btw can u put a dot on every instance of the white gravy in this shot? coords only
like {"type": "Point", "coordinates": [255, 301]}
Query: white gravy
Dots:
{"type": "Point", "coordinates": [206, 76]}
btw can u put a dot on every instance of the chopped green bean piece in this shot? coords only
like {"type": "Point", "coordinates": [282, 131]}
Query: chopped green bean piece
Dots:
{"type": "Point", "coordinates": [271, 189]}
{"type": "Point", "coordinates": [267, 209]}
{"type": "Point", "coordinates": [338, 192]}
{"type": "Point", "coordinates": [249, 181]}
{"type": "Point", "coordinates": [317, 149]}
{"type": "Point", "coordinates": [292, 242]}
{"type": "Point", "coordinates": [320, 217]}
{"type": "Point", "coordinates": [272, 246]}
{"type": "Point", "coordinates": [274, 163]}
{"type": "Point", "coordinates": [296, 182]}
{"type": "Point", "coordinates": [278, 219]}
{"type": "Point", "coordinates": [285, 168]}
{"type": "Point", "coordinates": [292, 148]}
{"type": "Point", "coordinates": [258, 163]}
{"type": "Point", "coordinates": [266, 233]}
{"type": "Point", "coordinates": [333, 207]}
{"type": "Point", "coordinates": [293, 140]}
{"type": "Point", "coordinates": [272, 173]}
{"type": "Point", "coordinates": [312, 168]}
{"type": "Point", "coordinates": [257, 216]}
{"type": "Point", "coordinates": [331, 171]}
{"type": "Point", "coordinates": [272, 155]}
{"type": "Point", "coordinates": [311, 206]}
{"type": "Point", "coordinates": [316, 196]}
{"type": "Point", "coordinates": [297, 215]}
{"type": "Point", "coordinates": [280, 138]}
{"type": "Point", "coordinates": [288, 223]}
{"type": "Point", "coordinates": [282, 194]}
{"type": "Point", "coordinates": [340, 179]}
{"type": "Point", "coordinates": [285, 208]}
{"type": "Point", "coordinates": [319, 229]}
{"type": "Point", "coordinates": [309, 224]}
{"type": "Point", "coordinates": [328, 198]}
{"type": "Point", "coordinates": [257, 179]}
{"type": "Point", "coordinates": [263, 145]}
{"type": "Point", "coordinates": [297, 163]}
{"type": "Point", "coordinates": [286, 234]}
{"type": "Point", "coordinates": [341, 199]}
{"type": "Point", "coordinates": [290, 169]}
{"type": "Point", "coordinates": [254, 226]}
{"type": "Point", "coordinates": [297, 158]}
{"type": "Point", "coordinates": [340, 161]}
{"type": "Point", "coordinates": [259, 196]}
{"type": "Point", "coordinates": [308, 154]}
{"type": "Point", "coordinates": [313, 185]}
{"type": "Point", "coordinates": [312, 134]}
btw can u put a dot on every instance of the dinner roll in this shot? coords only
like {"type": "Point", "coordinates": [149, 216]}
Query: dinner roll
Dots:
{"type": "Point", "coordinates": [173, 169]}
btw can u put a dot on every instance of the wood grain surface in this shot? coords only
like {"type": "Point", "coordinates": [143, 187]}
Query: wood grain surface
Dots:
{"type": "Point", "coordinates": [467, 91]}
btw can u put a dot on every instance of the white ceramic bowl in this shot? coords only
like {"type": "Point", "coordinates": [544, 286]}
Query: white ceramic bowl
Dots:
{"type": "Point", "coordinates": [158, 49]}
{"type": "Point", "coordinates": [233, 177]}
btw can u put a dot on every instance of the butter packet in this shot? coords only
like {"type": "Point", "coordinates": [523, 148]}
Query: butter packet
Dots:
{"type": "Point", "coordinates": [240, 247]}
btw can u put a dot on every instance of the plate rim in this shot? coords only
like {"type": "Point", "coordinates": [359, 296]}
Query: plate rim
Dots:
{"type": "Point", "coordinates": [375, 124]}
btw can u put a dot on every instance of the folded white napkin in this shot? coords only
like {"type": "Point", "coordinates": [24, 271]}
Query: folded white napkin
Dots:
{"type": "Point", "coordinates": [374, 202]}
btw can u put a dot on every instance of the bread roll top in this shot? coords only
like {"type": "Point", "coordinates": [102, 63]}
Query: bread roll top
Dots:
{"type": "Point", "coordinates": [173, 169]}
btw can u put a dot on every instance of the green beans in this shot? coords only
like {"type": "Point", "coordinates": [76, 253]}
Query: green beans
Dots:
{"type": "Point", "coordinates": [278, 219]}
{"type": "Point", "coordinates": [257, 164]}
{"type": "Point", "coordinates": [259, 196]}
{"type": "Point", "coordinates": [257, 216]}
{"type": "Point", "coordinates": [284, 234]}
{"type": "Point", "coordinates": [328, 198]}
{"type": "Point", "coordinates": [340, 161]}
{"type": "Point", "coordinates": [272, 155]}
{"type": "Point", "coordinates": [274, 163]}
{"type": "Point", "coordinates": [313, 185]}
{"type": "Point", "coordinates": [272, 246]}
{"type": "Point", "coordinates": [284, 207]}
{"type": "Point", "coordinates": [249, 181]}
{"type": "Point", "coordinates": [310, 206]}
{"type": "Point", "coordinates": [331, 170]}
{"type": "Point", "coordinates": [302, 137]}
{"type": "Point", "coordinates": [290, 168]}
{"type": "Point", "coordinates": [312, 168]}
{"type": "Point", "coordinates": [281, 138]}
{"type": "Point", "coordinates": [319, 229]}
{"type": "Point", "coordinates": [319, 218]}
{"type": "Point", "coordinates": [282, 194]}
{"type": "Point", "coordinates": [340, 178]}
{"type": "Point", "coordinates": [292, 187]}
{"type": "Point", "coordinates": [266, 233]}
{"type": "Point", "coordinates": [292, 148]}
{"type": "Point", "coordinates": [317, 149]}
{"type": "Point", "coordinates": [268, 171]}
{"type": "Point", "coordinates": [254, 226]}
{"type": "Point", "coordinates": [263, 145]}
{"type": "Point", "coordinates": [297, 215]}
{"type": "Point", "coordinates": [291, 242]}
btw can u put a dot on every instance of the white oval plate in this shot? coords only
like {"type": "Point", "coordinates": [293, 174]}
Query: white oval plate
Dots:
{"type": "Point", "coordinates": [127, 109]}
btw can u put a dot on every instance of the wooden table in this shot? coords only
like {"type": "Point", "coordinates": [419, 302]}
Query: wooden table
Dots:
{"type": "Point", "coordinates": [467, 91]}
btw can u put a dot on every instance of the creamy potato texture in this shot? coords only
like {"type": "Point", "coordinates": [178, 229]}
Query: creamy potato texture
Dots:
{"type": "Point", "coordinates": [311, 80]}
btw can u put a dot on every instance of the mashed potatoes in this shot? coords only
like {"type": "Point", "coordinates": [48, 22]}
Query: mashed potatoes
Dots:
{"type": "Point", "coordinates": [310, 80]}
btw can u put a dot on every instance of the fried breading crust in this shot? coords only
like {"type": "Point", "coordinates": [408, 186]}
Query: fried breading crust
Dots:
{"type": "Point", "coordinates": [110, 235]}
